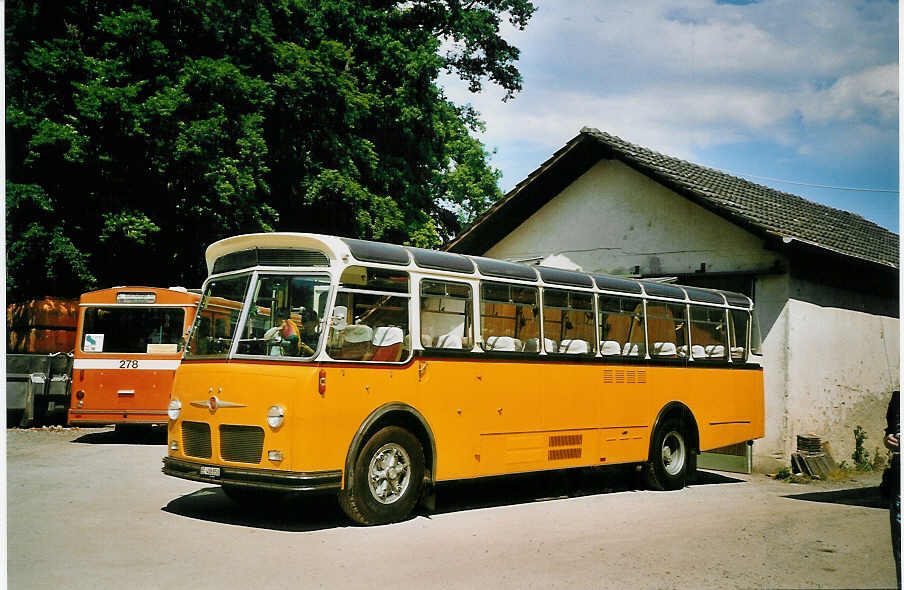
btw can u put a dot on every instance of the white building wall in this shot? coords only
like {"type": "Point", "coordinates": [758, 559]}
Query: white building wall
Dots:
{"type": "Point", "coordinates": [842, 367]}
{"type": "Point", "coordinates": [613, 218]}
{"type": "Point", "coordinates": [770, 452]}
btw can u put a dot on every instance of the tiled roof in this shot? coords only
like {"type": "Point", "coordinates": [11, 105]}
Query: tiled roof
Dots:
{"type": "Point", "coordinates": [758, 208]}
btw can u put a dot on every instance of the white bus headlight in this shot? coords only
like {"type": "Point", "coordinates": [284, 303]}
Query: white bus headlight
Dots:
{"type": "Point", "coordinates": [174, 409]}
{"type": "Point", "coordinates": [275, 416]}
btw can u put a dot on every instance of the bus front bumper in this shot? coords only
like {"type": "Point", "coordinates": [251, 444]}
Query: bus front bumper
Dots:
{"type": "Point", "coordinates": [103, 417]}
{"type": "Point", "coordinates": [264, 479]}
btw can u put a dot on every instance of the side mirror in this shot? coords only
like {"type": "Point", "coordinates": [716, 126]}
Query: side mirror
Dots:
{"type": "Point", "coordinates": [340, 318]}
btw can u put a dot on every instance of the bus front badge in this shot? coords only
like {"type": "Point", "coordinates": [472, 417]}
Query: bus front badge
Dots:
{"type": "Point", "coordinates": [213, 403]}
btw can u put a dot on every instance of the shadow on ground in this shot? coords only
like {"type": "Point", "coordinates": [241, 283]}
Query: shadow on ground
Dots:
{"type": "Point", "coordinates": [866, 497]}
{"type": "Point", "coordinates": [292, 514]}
{"type": "Point", "coordinates": [131, 435]}
{"type": "Point", "coordinates": [307, 513]}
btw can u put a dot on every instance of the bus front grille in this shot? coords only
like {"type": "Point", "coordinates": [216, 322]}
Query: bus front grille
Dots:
{"type": "Point", "coordinates": [244, 444]}
{"type": "Point", "coordinates": [196, 439]}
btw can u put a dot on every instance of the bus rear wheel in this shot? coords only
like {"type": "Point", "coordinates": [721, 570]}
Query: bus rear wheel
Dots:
{"type": "Point", "coordinates": [670, 457]}
{"type": "Point", "coordinates": [388, 478]}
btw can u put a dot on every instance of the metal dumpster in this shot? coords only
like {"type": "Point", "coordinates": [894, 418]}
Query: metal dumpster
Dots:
{"type": "Point", "coordinates": [37, 388]}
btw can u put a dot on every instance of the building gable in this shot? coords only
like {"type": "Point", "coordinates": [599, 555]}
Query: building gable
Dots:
{"type": "Point", "coordinates": [613, 219]}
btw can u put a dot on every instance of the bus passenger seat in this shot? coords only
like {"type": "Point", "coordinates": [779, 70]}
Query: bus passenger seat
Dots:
{"type": "Point", "coordinates": [665, 349]}
{"type": "Point", "coordinates": [503, 344]}
{"type": "Point", "coordinates": [427, 340]}
{"type": "Point", "coordinates": [355, 342]}
{"type": "Point", "coordinates": [715, 351]}
{"type": "Point", "coordinates": [388, 344]}
{"type": "Point", "coordinates": [632, 349]}
{"type": "Point", "coordinates": [682, 351]}
{"type": "Point", "coordinates": [450, 340]}
{"type": "Point", "coordinates": [574, 346]}
{"type": "Point", "coordinates": [610, 348]}
{"type": "Point", "coordinates": [698, 352]}
{"type": "Point", "coordinates": [737, 352]}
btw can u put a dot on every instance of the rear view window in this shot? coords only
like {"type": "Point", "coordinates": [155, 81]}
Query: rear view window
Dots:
{"type": "Point", "coordinates": [133, 330]}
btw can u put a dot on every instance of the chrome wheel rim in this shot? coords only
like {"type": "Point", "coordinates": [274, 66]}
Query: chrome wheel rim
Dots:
{"type": "Point", "coordinates": [388, 474]}
{"type": "Point", "coordinates": [673, 452]}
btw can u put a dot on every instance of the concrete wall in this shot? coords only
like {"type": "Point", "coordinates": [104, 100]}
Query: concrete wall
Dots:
{"type": "Point", "coordinates": [842, 367]}
{"type": "Point", "coordinates": [831, 355]}
{"type": "Point", "coordinates": [771, 301]}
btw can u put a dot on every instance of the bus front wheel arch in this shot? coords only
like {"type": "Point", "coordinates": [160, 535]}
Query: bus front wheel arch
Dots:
{"type": "Point", "coordinates": [388, 478]}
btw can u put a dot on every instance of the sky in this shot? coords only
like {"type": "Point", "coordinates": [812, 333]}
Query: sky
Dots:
{"type": "Point", "coordinates": [772, 90]}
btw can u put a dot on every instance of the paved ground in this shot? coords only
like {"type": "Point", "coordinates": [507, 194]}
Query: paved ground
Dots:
{"type": "Point", "coordinates": [88, 509]}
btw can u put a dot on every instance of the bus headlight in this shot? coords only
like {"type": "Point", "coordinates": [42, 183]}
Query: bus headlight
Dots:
{"type": "Point", "coordinates": [174, 409]}
{"type": "Point", "coordinates": [275, 416]}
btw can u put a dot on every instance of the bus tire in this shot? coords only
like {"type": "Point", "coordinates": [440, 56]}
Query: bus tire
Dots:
{"type": "Point", "coordinates": [669, 457]}
{"type": "Point", "coordinates": [388, 478]}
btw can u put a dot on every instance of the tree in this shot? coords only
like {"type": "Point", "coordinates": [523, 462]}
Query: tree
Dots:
{"type": "Point", "coordinates": [138, 133]}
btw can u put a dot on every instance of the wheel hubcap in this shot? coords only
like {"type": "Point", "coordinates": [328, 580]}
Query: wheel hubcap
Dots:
{"type": "Point", "coordinates": [388, 473]}
{"type": "Point", "coordinates": [673, 453]}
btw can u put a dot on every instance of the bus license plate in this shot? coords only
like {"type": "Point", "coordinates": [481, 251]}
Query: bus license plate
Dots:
{"type": "Point", "coordinates": [210, 471]}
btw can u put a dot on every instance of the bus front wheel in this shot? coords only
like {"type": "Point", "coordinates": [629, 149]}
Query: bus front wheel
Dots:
{"type": "Point", "coordinates": [669, 457]}
{"type": "Point", "coordinates": [388, 478]}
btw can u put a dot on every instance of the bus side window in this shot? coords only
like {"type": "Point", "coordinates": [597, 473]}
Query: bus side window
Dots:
{"type": "Point", "coordinates": [738, 319]}
{"type": "Point", "coordinates": [376, 329]}
{"type": "Point", "coordinates": [621, 326]}
{"type": "Point", "coordinates": [708, 335]}
{"type": "Point", "coordinates": [446, 315]}
{"type": "Point", "coordinates": [509, 317]}
{"type": "Point", "coordinates": [568, 326]}
{"type": "Point", "coordinates": [666, 328]}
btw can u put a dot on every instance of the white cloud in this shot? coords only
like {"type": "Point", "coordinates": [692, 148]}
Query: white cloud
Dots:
{"type": "Point", "coordinates": [677, 79]}
{"type": "Point", "coordinates": [869, 95]}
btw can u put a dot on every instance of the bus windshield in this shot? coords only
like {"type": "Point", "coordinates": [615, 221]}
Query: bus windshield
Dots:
{"type": "Point", "coordinates": [285, 318]}
{"type": "Point", "coordinates": [133, 329]}
{"type": "Point", "coordinates": [217, 317]}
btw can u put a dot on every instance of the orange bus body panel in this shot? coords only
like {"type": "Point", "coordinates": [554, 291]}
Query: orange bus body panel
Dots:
{"type": "Point", "coordinates": [487, 416]}
{"type": "Point", "coordinates": [114, 391]}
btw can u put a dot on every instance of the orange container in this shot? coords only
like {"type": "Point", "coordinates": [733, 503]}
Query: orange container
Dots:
{"type": "Point", "coordinates": [41, 325]}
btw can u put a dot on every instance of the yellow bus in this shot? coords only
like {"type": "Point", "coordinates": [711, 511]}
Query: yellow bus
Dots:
{"type": "Point", "coordinates": [374, 371]}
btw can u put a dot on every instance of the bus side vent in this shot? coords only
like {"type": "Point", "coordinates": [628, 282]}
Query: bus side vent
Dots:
{"type": "Point", "coordinates": [566, 440]}
{"type": "Point", "coordinates": [572, 441]}
{"type": "Point", "coordinates": [560, 454]}
{"type": "Point", "coordinates": [243, 444]}
{"type": "Point", "coordinates": [196, 439]}
{"type": "Point", "coordinates": [621, 376]}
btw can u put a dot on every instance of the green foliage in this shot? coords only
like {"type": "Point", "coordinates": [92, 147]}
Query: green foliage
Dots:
{"type": "Point", "coordinates": [783, 473]}
{"type": "Point", "coordinates": [139, 133]}
{"type": "Point", "coordinates": [860, 454]}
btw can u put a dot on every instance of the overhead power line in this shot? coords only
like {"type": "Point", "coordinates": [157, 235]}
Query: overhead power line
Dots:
{"type": "Point", "coordinates": [837, 188]}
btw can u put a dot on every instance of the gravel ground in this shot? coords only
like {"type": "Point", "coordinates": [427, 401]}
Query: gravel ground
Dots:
{"type": "Point", "coordinates": [88, 508]}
